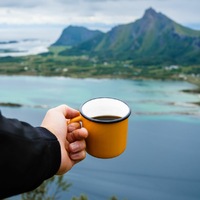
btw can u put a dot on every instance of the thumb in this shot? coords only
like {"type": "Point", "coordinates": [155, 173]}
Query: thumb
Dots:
{"type": "Point", "coordinates": [67, 111]}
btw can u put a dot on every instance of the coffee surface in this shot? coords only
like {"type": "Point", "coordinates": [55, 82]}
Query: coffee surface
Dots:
{"type": "Point", "coordinates": [106, 117]}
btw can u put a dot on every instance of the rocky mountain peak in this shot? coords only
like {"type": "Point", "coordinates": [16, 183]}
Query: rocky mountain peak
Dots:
{"type": "Point", "coordinates": [150, 12]}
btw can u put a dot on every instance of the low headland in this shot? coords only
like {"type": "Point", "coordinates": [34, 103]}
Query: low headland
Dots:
{"type": "Point", "coordinates": [54, 64]}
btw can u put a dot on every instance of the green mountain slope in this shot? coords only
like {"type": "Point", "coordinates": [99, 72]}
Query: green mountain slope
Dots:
{"type": "Point", "coordinates": [152, 40]}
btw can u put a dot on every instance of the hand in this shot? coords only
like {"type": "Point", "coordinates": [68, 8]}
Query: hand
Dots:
{"type": "Point", "coordinates": [71, 137]}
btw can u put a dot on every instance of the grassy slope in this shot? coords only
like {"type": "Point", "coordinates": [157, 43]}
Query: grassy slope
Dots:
{"type": "Point", "coordinates": [53, 64]}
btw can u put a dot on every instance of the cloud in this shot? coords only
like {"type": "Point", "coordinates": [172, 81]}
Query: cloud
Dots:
{"type": "Point", "coordinates": [108, 12]}
{"type": "Point", "coordinates": [19, 4]}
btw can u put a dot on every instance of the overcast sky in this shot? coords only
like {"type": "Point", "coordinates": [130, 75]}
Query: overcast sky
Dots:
{"type": "Point", "coordinates": [98, 14]}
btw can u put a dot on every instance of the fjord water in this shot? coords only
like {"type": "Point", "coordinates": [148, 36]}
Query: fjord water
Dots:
{"type": "Point", "coordinates": [162, 159]}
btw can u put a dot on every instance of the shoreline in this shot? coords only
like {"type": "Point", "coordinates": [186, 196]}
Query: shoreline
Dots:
{"type": "Point", "coordinates": [193, 81]}
{"type": "Point", "coordinates": [52, 64]}
{"type": "Point", "coordinates": [191, 91]}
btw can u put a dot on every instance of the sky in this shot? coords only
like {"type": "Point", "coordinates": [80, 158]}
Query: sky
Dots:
{"type": "Point", "coordinates": [46, 19]}
{"type": "Point", "coordinates": [94, 14]}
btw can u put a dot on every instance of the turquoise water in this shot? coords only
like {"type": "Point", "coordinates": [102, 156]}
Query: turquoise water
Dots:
{"type": "Point", "coordinates": [162, 159]}
{"type": "Point", "coordinates": [146, 98]}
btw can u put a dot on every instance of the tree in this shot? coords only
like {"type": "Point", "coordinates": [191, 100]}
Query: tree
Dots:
{"type": "Point", "coordinates": [43, 192]}
{"type": "Point", "coordinates": [51, 190]}
{"type": "Point", "coordinates": [82, 197]}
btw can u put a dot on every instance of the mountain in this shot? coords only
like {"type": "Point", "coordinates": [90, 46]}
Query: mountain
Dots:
{"type": "Point", "coordinates": [152, 40]}
{"type": "Point", "coordinates": [74, 35]}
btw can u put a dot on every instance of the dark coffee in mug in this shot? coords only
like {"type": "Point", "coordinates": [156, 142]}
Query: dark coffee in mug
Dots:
{"type": "Point", "coordinates": [106, 118]}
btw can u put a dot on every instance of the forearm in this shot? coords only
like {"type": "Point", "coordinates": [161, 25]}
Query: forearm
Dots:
{"type": "Point", "coordinates": [28, 156]}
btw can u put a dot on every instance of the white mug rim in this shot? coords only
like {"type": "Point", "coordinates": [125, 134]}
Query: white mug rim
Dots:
{"type": "Point", "coordinates": [106, 121]}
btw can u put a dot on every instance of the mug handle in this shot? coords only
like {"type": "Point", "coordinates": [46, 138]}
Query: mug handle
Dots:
{"type": "Point", "coordinates": [75, 119]}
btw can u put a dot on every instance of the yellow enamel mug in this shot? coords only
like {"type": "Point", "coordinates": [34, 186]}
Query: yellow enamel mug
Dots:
{"type": "Point", "coordinates": [106, 120]}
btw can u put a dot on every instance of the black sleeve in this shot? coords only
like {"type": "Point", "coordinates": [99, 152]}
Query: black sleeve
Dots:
{"type": "Point", "coordinates": [28, 156]}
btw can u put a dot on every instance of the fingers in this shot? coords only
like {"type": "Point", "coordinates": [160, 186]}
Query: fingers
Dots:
{"type": "Point", "coordinates": [76, 137]}
{"type": "Point", "coordinates": [76, 133]}
{"type": "Point", "coordinates": [73, 126]}
{"type": "Point", "coordinates": [77, 150]}
{"type": "Point", "coordinates": [77, 146]}
{"type": "Point", "coordinates": [78, 156]}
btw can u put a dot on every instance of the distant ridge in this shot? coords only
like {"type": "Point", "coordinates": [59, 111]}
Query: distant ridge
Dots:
{"type": "Point", "coordinates": [152, 40]}
{"type": "Point", "coordinates": [74, 35]}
